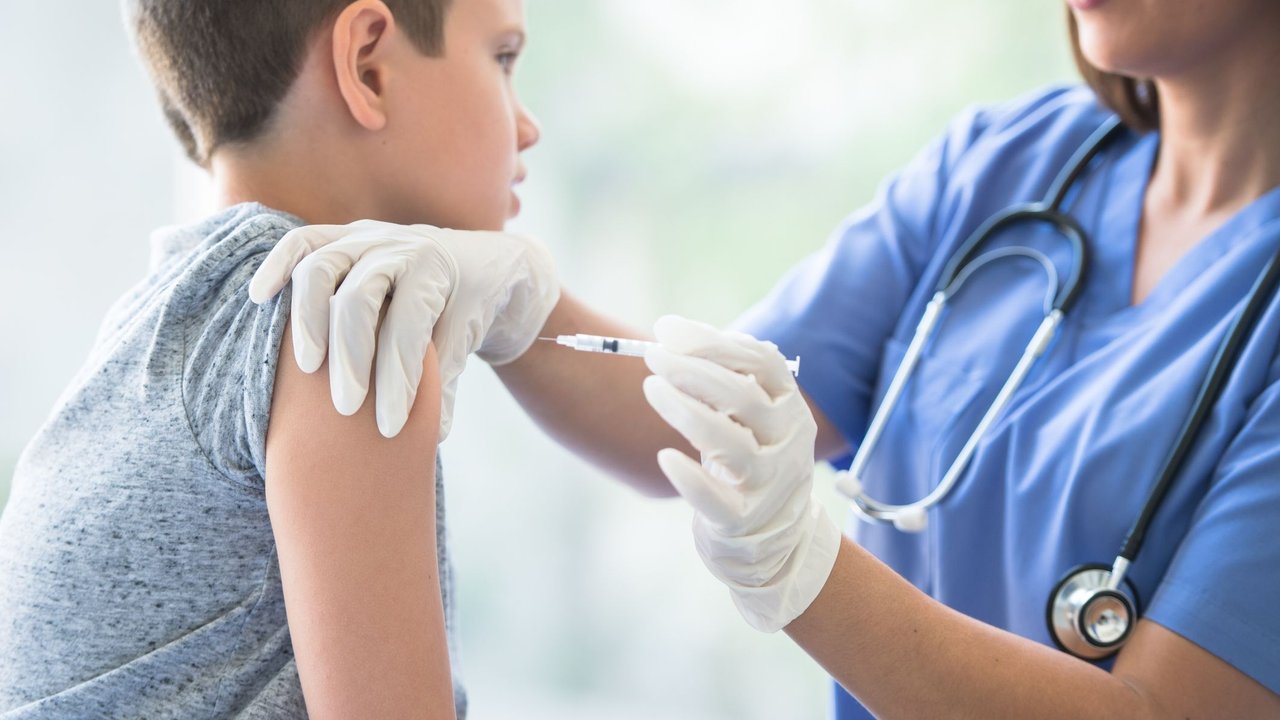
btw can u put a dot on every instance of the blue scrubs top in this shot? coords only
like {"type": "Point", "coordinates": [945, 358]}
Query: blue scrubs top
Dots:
{"type": "Point", "coordinates": [1061, 477]}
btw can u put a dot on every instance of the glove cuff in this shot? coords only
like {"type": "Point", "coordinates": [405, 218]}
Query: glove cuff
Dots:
{"type": "Point", "coordinates": [771, 607]}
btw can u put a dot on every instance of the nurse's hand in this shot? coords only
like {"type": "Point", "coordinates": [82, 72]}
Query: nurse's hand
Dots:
{"type": "Point", "coordinates": [483, 292]}
{"type": "Point", "coordinates": [756, 524]}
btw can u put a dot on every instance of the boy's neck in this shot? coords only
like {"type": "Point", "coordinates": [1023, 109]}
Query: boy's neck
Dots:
{"type": "Point", "coordinates": [316, 187]}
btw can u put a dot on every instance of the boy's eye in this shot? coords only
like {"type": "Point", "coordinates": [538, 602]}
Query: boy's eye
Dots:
{"type": "Point", "coordinates": [507, 60]}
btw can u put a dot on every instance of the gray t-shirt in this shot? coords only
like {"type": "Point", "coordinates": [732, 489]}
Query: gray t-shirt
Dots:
{"type": "Point", "coordinates": [138, 572]}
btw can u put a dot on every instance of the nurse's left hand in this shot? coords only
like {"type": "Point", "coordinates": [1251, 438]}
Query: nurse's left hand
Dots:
{"type": "Point", "coordinates": [756, 525]}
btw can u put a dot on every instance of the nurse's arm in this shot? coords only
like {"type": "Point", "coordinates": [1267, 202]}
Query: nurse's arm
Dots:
{"type": "Point", "coordinates": [594, 404]}
{"type": "Point", "coordinates": [906, 655]}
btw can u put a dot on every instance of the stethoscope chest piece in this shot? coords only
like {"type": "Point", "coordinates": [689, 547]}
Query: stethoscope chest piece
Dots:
{"type": "Point", "coordinates": [1087, 617]}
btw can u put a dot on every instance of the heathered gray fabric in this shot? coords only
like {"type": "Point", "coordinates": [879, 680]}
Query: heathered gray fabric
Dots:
{"type": "Point", "coordinates": [138, 574]}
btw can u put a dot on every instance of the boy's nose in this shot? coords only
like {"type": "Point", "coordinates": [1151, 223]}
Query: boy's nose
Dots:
{"type": "Point", "coordinates": [527, 130]}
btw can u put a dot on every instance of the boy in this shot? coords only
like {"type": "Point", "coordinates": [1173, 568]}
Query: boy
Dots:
{"type": "Point", "coordinates": [160, 527]}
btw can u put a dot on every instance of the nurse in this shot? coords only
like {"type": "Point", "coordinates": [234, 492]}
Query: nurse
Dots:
{"type": "Point", "coordinates": [1181, 209]}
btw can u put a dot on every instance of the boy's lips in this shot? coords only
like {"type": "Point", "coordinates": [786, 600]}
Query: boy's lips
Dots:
{"type": "Point", "coordinates": [515, 199]}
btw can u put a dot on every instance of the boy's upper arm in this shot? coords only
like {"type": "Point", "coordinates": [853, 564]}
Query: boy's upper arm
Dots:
{"type": "Point", "coordinates": [353, 515]}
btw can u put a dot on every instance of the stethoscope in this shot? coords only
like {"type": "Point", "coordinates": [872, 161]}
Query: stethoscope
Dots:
{"type": "Point", "coordinates": [1088, 613]}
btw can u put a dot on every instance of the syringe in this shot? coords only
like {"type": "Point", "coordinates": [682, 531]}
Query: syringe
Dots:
{"type": "Point", "coordinates": [622, 346]}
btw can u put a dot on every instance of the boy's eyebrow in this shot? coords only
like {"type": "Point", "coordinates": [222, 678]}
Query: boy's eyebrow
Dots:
{"type": "Point", "coordinates": [515, 35]}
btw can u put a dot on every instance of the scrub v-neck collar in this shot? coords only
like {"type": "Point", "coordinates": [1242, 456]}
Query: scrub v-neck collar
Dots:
{"type": "Point", "coordinates": [1115, 239]}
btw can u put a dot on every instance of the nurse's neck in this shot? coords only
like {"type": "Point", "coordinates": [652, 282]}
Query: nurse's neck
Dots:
{"type": "Point", "coordinates": [1220, 130]}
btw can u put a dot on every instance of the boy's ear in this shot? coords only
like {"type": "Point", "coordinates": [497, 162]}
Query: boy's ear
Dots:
{"type": "Point", "coordinates": [360, 47]}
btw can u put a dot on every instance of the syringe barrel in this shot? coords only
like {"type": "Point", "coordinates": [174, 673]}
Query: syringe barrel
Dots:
{"type": "Point", "coordinates": [613, 346]}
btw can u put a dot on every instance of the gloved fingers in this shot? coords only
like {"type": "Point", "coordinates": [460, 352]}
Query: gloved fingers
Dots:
{"type": "Point", "coordinates": [353, 322]}
{"type": "Point", "coordinates": [715, 435]}
{"type": "Point", "coordinates": [690, 337]}
{"type": "Point", "coordinates": [772, 371]}
{"type": "Point", "coordinates": [315, 280]}
{"type": "Point", "coordinates": [402, 345]}
{"type": "Point", "coordinates": [766, 507]}
{"type": "Point", "coordinates": [740, 396]}
{"type": "Point", "coordinates": [707, 495]}
{"type": "Point", "coordinates": [737, 351]}
{"type": "Point", "coordinates": [448, 391]}
{"type": "Point", "coordinates": [275, 271]}
{"type": "Point", "coordinates": [712, 383]}
{"type": "Point", "coordinates": [454, 344]}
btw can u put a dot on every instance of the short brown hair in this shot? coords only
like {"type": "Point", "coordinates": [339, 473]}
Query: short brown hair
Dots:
{"type": "Point", "coordinates": [221, 67]}
{"type": "Point", "coordinates": [1134, 100]}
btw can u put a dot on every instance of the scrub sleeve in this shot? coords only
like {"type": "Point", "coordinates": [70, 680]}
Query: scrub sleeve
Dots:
{"type": "Point", "coordinates": [1221, 590]}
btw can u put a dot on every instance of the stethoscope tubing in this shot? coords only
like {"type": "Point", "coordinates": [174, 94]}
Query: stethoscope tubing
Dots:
{"type": "Point", "coordinates": [1047, 210]}
{"type": "Point", "coordinates": [1224, 361]}
{"type": "Point", "coordinates": [960, 266]}
{"type": "Point", "coordinates": [885, 511]}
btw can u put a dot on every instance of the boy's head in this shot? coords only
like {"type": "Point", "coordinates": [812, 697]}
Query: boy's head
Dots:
{"type": "Point", "coordinates": [401, 110]}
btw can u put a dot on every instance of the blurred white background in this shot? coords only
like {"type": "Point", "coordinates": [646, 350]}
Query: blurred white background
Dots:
{"type": "Point", "coordinates": [691, 151]}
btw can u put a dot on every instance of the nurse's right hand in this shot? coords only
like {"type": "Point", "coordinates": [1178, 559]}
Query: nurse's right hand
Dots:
{"type": "Point", "coordinates": [757, 525]}
{"type": "Point", "coordinates": [466, 291]}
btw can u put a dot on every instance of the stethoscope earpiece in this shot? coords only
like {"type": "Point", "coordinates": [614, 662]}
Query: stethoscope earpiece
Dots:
{"type": "Point", "coordinates": [1087, 617]}
{"type": "Point", "coordinates": [847, 484]}
{"type": "Point", "coordinates": [911, 520]}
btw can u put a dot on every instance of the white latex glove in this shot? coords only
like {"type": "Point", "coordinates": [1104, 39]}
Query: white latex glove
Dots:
{"type": "Point", "coordinates": [468, 291]}
{"type": "Point", "coordinates": [756, 524]}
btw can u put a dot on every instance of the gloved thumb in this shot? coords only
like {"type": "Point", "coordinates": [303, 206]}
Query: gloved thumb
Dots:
{"type": "Point", "coordinates": [401, 348]}
{"type": "Point", "coordinates": [687, 337]}
{"type": "Point", "coordinates": [447, 393]}
{"type": "Point", "coordinates": [718, 503]}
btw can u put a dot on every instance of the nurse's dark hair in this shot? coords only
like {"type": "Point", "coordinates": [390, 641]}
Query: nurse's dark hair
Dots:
{"type": "Point", "coordinates": [1134, 100]}
{"type": "Point", "coordinates": [221, 67]}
